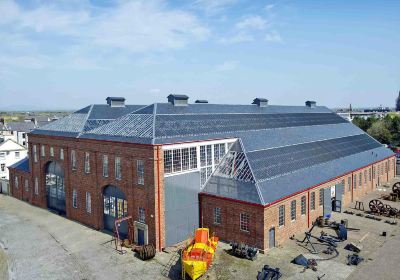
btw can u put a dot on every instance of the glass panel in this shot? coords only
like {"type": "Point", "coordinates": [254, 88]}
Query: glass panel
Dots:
{"type": "Point", "coordinates": [120, 208]}
{"type": "Point", "coordinates": [106, 205]}
{"type": "Point", "coordinates": [112, 206]}
{"type": "Point", "coordinates": [177, 160]}
{"type": "Point", "coordinates": [125, 208]}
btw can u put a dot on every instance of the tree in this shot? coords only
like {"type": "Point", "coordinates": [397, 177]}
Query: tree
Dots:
{"type": "Point", "coordinates": [362, 123]}
{"type": "Point", "coordinates": [398, 103]}
{"type": "Point", "coordinates": [380, 132]}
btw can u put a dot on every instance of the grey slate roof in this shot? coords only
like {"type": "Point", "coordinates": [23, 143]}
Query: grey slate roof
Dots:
{"type": "Point", "coordinates": [285, 148]}
{"type": "Point", "coordinates": [21, 126]}
{"type": "Point", "coordinates": [22, 165]}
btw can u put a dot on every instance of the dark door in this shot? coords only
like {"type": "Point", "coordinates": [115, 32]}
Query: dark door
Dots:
{"type": "Point", "coordinates": [115, 207]}
{"type": "Point", "coordinates": [140, 237]}
{"type": "Point", "coordinates": [271, 238]}
{"type": "Point", "coordinates": [55, 188]}
{"type": "Point", "coordinates": [327, 201]}
{"type": "Point", "coordinates": [339, 189]}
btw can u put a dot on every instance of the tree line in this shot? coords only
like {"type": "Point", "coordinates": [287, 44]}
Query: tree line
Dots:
{"type": "Point", "coordinates": [385, 130]}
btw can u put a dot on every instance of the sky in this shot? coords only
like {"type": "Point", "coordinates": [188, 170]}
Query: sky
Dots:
{"type": "Point", "coordinates": [65, 54]}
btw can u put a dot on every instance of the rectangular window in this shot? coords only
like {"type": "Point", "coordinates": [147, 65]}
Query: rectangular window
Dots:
{"type": "Point", "coordinates": [117, 168]}
{"type": "Point", "coordinates": [193, 158]}
{"type": "Point", "coordinates": [3, 167]}
{"type": "Point", "coordinates": [360, 179]}
{"type": "Point", "coordinates": [35, 158]}
{"type": "Point", "coordinates": [386, 167]}
{"type": "Point", "coordinates": [142, 215]}
{"type": "Point", "coordinates": [16, 154]}
{"type": "Point", "coordinates": [321, 197]}
{"type": "Point", "coordinates": [74, 198]}
{"type": "Point", "coordinates": [365, 176]}
{"type": "Point", "coordinates": [43, 151]}
{"type": "Point", "coordinates": [36, 186]}
{"type": "Point", "coordinates": [219, 152]}
{"type": "Point", "coordinates": [217, 216]}
{"type": "Point", "coordinates": [354, 181]}
{"type": "Point", "coordinates": [167, 161]}
{"type": "Point", "coordinates": [140, 171]}
{"type": "Point", "coordinates": [293, 210]}
{"type": "Point", "coordinates": [51, 151]}
{"type": "Point", "coordinates": [16, 182]}
{"type": "Point", "coordinates": [105, 165]}
{"type": "Point", "coordinates": [26, 185]}
{"type": "Point", "coordinates": [87, 162]}
{"type": "Point", "coordinates": [374, 172]}
{"type": "Point", "coordinates": [185, 159]}
{"type": "Point", "coordinates": [88, 203]}
{"type": "Point", "coordinates": [281, 215]}
{"type": "Point", "coordinates": [369, 174]}
{"type": "Point", "coordinates": [177, 160]}
{"type": "Point", "coordinates": [312, 202]}
{"type": "Point", "coordinates": [121, 203]}
{"type": "Point", "coordinates": [303, 205]}
{"type": "Point", "coordinates": [61, 154]}
{"type": "Point", "coordinates": [73, 160]}
{"type": "Point", "coordinates": [244, 222]}
{"type": "Point", "coordinates": [349, 183]}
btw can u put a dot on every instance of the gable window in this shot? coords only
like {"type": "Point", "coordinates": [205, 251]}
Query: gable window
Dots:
{"type": "Point", "coordinates": [87, 162]}
{"type": "Point", "coordinates": [312, 203]}
{"type": "Point", "coordinates": [117, 166]}
{"type": "Point", "coordinates": [321, 197]}
{"type": "Point", "coordinates": [281, 215]}
{"type": "Point", "coordinates": [142, 215]}
{"type": "Point", "coordinates": [36, 186]}
{"type": "Point", "coordinates": [293, 210]}
{"type": "Point", "coordinates": [35, 158]}
{"type": "Point", "coordinates": [244, 222]}
{"type": "Point", "coordinates": [51, 151]}
{"type": "Point", "coordinates": [88, 203]}
{"type": "Point", "coordinates": [16, 154]}
{"type": "Point", "coordinates": [16, 182]}
{"type": "Point", "coordinates": [61, 154]}
{"type": "Point", "coordinates": [217, 216]}
{"type": "Point", "coordinates": [140, 171]}
{"type": "Point", "coordinates": [43, 151]}
{"type": "Point", "coordinates": [73, 160]}
{"type": "Point", "coordinates": [74, 198]}
{"type": "Point", "coordinates": [26, 185]}
{"type": "Point", "coordinates": [303, 205]}
{"type": "Point", "coordinates": [105, 165]}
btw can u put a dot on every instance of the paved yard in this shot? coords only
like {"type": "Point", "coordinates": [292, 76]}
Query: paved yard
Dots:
{"type": "Point", "coordinates": [37, 244]}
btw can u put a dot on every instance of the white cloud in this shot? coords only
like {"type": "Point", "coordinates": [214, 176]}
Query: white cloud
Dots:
{"type": "Point", "coordinates": [252, 22]}
{"type": "Point", "coordinates": [227, 66]}
{"type": "Point", "coordinates": [273, 36]}
{"type": "Point", "coordinates": [238, 38]}
{"type": "Point", "coordinates": [213, 6]}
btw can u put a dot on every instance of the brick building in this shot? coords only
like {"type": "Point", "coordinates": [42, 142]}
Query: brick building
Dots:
{"type": "Point", "coordinates": [253, 173]}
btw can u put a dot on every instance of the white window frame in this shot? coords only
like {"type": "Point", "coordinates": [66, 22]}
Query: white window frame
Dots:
{"type": "Point", "coordinates": [88, 202]}
{"type": "Point", "coordinates": [140, 171]}
{"type": "Point", "coordinates": [87, 162]}
{"type": "Point", "coordinates": [117, 168]}
{"type": "Point", "coordinates": [217, 216]}
{"type": "Point", "coordinates": [36, 186]}
{"type": "Point", "coordinates": [142, 215]}
{"type": "Point", "coordinates": [245, 222]}
{"type": "Point", "coordinates": [74, 198]}
{"type": "Point", "coordinates": [43, 151]}
{"type": "Point", "coordinates": [73, 159]}
{"type": "Point", "coordinates": [105, 165]}
{"type": "Point", "coordinates": [61, 154]}
{"type": "Point", "coordinates": [35, 157]}
{"type": "Point", "coordinates": [51, 152]}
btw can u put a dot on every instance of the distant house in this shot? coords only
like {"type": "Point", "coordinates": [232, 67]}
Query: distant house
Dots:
{"type": "Point", "coordinates": [17, 131]}
{"type": "Point", "coordinates": [10, 153]}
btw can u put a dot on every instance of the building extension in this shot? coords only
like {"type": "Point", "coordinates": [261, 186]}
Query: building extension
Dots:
{"type": "Point", "coordinates": [255, 173]}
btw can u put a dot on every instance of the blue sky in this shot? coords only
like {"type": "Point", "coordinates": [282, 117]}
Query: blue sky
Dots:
{"type": "Point", "coordinates": [68, 53]}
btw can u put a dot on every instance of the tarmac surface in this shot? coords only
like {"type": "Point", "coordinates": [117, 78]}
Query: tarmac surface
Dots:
{"type": "Point", "coordinates": [38, 244]}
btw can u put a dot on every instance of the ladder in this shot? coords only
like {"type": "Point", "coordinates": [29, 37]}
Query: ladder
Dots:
{"type": "Point", "coordinates": [174, 258]}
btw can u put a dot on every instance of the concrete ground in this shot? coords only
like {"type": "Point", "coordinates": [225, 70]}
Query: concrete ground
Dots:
{"type": "Point", "coordinates": [37, 244]}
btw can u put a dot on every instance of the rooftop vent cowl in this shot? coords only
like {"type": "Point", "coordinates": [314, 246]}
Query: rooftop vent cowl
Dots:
{"type": "Point", "coordinates": [116, 101]}
{"type": "Point", "coordinates": [260, 102]}
{"type": "Point", "coordinates": [311, 104]}
{"type": "Point", "coordinates": [178, 99]}
{"type": "Point", "coordinates": [201, 101]}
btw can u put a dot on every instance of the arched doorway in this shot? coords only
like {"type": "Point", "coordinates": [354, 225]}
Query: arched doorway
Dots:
{"type": "Point", "coordinates": [115, 206]}
{"type": "Point", "coordinates": [55, 188]}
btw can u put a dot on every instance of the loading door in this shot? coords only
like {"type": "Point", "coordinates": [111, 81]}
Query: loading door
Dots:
{"type": "Point", "coordinates": [271, 238]}
{"type": "Point", "coordinates": [55, 188]}
{"type": "Point", "coordinates": [181, 206]}
{"type": "Point", "coordinates": [327, 201]}
{"type": "Point", "coordinates": [115, 206]}
{"type": "Point", "coordinates": [339, 190]}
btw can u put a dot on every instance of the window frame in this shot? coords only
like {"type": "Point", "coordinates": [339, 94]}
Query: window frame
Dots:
{"type": "Point", "coordinates": [36, 186]}
{"type": "Point", "coordinates": [117, 168]}
{"type": "Point", "coordinates": [312, 201]}
{"type": "Point", "coordinates": [303, 205]}
{"type": "Point", "coordinates": [26, 185]}
{"type": "Point", "coordinates": [51, 151]}
{"type": "Point", "coordinates": [293, 215]}
{"type": "Point", "coordinates": [281, 215]}
{"type": "Point", "coordinates": [61, 154]}
{"type": "Point", "coordinates": [34, 151]}
{"type": "Point", "coordinates": [87, 163]}
{"type": "Point", "coordinates": [105, 166]}
{"type": "Point", "coordinates": [142, 215]}
{"type": "Point", "coordinates": [88, 202]}
{"type": "Point", "coordinates": [43, 150]}
{"type": "Point", "coordinates": [321, 197]}
{"type": "Point", "coordinates": [244, 222]}
{"type": "Point", "coordinates": [217, 216]}
{"type": "Point", "coordinates": [73, 159]}
{"type": "Point", "coordinates": [74, 198]}
{"type": "Point", "coordinates": [140, 171]}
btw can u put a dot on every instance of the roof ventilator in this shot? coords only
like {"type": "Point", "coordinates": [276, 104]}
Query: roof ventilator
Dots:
{"type": "Point", "coordinates": [116, 101]}
{"type": "Point", "coordinates": [178, 99]}
{"type": "Point", "coordinates": [199, 101]}
{"type": "Point", "coordinates": [260, 102]}
{"type": "Point", "coordinates": [311, 104]}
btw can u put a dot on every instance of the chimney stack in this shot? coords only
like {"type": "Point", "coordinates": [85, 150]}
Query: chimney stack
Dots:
{"type": "Point", "coordinates": [260, 102]}
{"type": "Point", "coordinates": [311, 104]}
{"type": "Point", "coordinates": [178, 99]}
{"type": "Point", "coordinates": [116, 101]}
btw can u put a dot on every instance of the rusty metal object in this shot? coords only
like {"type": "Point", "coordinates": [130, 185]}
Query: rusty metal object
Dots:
{"type": "Point", "coordinates": [396, 188]}
{"type": "Point", "coordinates": [146, 252]}
{"type": "Point", "coordinates": [376, 206]}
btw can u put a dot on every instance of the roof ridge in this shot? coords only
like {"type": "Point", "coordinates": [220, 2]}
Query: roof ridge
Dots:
{"type": "Point", "coordinates": [86, 119]}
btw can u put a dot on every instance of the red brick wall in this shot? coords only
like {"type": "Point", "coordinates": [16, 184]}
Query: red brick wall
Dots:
{"type": "Point", "coordinates": [145, 196]}
{"type": "Point", "coordinates": [20, 192]}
